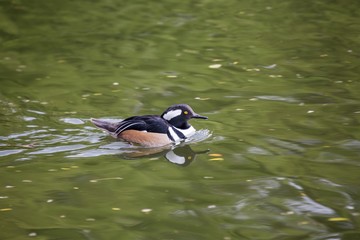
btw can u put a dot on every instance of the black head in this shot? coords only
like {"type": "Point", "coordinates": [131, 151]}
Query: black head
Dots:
{"type": "Point", "coordinates": [178, 115]}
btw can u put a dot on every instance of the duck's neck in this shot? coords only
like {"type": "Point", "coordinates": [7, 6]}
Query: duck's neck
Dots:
{"type": "Point", "coordinates": [180, 124]}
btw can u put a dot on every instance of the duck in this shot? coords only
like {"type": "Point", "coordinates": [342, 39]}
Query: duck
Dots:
{"type": "Point", "coordinates": [171, 127]}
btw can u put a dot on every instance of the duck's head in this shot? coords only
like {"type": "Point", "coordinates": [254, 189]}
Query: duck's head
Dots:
{"type": "Point", "coordinates": [178, 115]}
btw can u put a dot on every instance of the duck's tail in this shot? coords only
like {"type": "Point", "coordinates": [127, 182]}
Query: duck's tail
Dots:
{"type": "Point", "coordinates": [105, 125]}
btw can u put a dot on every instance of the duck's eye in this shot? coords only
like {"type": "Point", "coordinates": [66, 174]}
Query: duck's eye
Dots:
{"type": "Point", "coordinates": [186, 112]}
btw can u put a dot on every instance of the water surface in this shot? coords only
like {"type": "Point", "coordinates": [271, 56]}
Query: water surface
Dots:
{"type": "Point", "coordinates": [277, 159]}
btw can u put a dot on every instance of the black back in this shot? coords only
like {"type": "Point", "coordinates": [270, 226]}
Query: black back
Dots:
{"type": "Point", "coordinates": [149, 123]}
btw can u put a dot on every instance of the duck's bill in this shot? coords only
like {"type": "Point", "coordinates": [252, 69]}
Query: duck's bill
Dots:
{"type": "Point", "coordinates": [199, 116]}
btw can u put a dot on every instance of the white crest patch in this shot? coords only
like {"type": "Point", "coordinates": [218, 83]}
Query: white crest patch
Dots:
{"type": "Point", "coordinates": [171, 114]}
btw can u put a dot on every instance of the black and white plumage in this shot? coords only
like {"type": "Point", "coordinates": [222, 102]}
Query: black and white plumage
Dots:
{"type": "Point", "coordinates": [153, 130]}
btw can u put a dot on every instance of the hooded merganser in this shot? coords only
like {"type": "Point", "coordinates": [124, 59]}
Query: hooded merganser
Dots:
{"type": "Point", "coordinates": [153, 130]}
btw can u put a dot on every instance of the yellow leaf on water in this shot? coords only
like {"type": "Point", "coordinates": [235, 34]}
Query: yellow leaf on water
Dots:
{"type": "Point", "coordinates": [5, 209]}
{"type": "Point", "coordinates": [338, 219]}
{"type": "Point", "coordinates": [215, 154]}
{"type": "Point", "coordinates": [202, 99]}
{"type": "Point", "coordinates": [216, 159]}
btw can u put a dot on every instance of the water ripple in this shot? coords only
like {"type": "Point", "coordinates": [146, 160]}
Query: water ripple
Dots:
{"type": "Point", "coordinates": [278, 98]}
{"type": "Point", "coordinates": [4, 153]}
{"type": "Point", "coordinates": [24, 134]}
{"type": "Point", "coordinates": [75, 121]}
{"type": "Point", "coordinates": [58, 149]}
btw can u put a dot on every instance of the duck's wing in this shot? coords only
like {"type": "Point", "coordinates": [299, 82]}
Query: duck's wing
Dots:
{"type": "Point", "coordinates": [148, 123]}
{"type": "Point", "coordinates": [135, 124]}
{"type": "Point", "coordinates": [115, 128]}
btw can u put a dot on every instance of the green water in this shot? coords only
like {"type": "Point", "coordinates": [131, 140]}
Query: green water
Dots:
{"type": "Point", "coordinates": [279, 157]}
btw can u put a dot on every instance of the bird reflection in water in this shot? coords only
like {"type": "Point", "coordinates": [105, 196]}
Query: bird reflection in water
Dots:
{"type": "Point", "coordinates": [181, 155]}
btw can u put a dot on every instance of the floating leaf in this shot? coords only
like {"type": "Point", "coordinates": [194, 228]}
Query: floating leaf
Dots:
{"type": "Point", "coordinates": [215, 154]}
{"type": "Point", "coordinates": [252, 69]}
{"type": "Point", "coordinates": [5, 209]}
{"type": "Point", "coordinates": [214, 66]}
{"type": "Point", "coordinates": [146, 210]}
{"type": "Point", "coordinates": [338, 219]}
{"type": "Point", "coordinates": [202, 99]}
{"type": "Point", "coordinates": [103, 179]}
{"type": "Point", "coordinates": [208, 177]}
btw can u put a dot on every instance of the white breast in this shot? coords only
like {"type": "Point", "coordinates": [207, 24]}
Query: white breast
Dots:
{"type": "Point", "coordinates": [186, 132]}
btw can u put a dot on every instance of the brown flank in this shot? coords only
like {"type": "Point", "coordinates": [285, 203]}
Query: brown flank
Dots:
{"type": "Point", "coordinates": [147, 139]}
